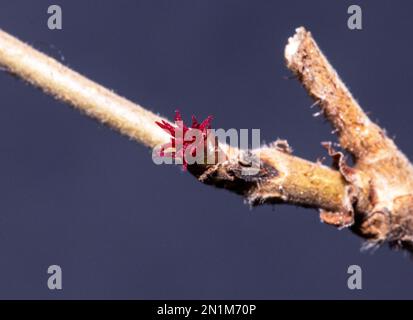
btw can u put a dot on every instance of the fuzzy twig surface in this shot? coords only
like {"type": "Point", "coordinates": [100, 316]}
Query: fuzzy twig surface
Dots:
{"type": "Point", "coordinates": [374, 198]}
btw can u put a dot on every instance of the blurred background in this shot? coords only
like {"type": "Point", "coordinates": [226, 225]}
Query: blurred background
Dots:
{"type": "Point", "coordinates": [76, 194]}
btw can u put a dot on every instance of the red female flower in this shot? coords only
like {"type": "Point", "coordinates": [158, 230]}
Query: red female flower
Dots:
{"type": "Point", "coordinates": [180, 142]}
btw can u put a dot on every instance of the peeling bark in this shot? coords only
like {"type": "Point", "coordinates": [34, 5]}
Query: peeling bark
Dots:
{"type": "Point", "coordinates": [374, 198]}
{"type": "Point", "coordinates": [386, 214]}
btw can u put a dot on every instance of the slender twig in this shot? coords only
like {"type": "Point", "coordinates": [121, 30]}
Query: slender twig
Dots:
{"type": "Point", "coordinates": [89, 97]}
{"type": "Point", "coordinates": [365, 197]}
{"type": "Point", "coordinates": [289, 175]}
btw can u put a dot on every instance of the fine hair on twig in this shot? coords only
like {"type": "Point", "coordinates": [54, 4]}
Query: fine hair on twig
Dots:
{"type": "Point", "coordinates": [373, 197]}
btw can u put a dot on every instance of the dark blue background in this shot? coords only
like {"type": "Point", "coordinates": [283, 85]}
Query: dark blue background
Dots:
{"type": "Point", "coordinates": [76, 194]}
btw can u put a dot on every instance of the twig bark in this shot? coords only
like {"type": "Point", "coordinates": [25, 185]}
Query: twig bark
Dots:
{"type": "Point", "coordinates": [369, 197]}
{"type": "Point", "coordinates": [386, 214]}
